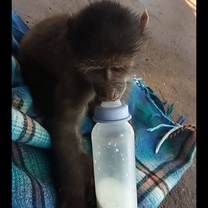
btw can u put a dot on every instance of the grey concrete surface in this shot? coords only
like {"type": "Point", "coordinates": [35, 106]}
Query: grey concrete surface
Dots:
{"type": "Point", "coordinates": [167, 64]}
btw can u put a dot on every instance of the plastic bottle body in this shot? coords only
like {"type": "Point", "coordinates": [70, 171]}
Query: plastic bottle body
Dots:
{"type": "Point", "coordinates": [114, 165]}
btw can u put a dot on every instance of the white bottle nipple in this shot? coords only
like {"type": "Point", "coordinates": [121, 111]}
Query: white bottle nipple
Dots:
{"type": "Point", "coordinates": [111, 104]}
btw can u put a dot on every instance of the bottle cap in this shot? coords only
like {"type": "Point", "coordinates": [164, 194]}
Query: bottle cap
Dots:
{"type": "Point", "coordinates": [111, 112]}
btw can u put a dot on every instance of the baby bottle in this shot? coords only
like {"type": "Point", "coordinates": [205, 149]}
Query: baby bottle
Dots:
{"type": "Point", "coordinates": [113, 149]}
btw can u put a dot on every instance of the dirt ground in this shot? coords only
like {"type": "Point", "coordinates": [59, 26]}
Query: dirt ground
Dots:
{"type": "Point", "coordinates": [167, 64]}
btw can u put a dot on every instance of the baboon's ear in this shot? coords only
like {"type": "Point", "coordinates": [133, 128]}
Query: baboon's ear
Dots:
{"type": "Point", "coordinates": [70, 21]}
{"type": "Point", "coordinates": [144, 20]}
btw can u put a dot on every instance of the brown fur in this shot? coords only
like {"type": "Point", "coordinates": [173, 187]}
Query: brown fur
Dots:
{"type": "Point", "coordinates": [69, 61]}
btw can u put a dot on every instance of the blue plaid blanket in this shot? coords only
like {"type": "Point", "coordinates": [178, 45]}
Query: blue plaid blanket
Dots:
{"type": "Point", "coordinates": [164, 149]}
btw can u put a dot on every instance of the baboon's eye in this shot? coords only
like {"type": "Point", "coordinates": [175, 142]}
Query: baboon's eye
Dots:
{"type": "Point", "coordinates": [117, 70]}
{"type": "Point", "coordinates": [97, 71]}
